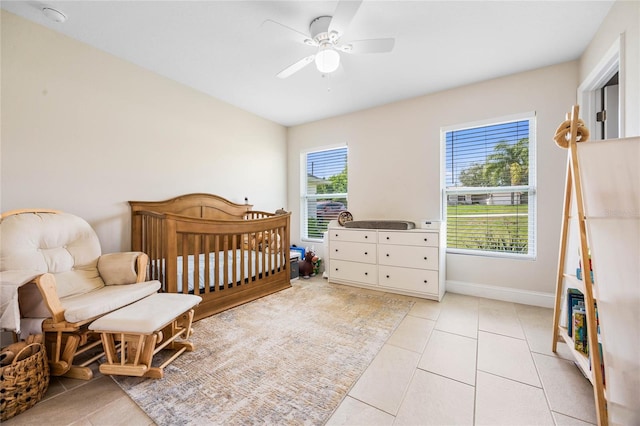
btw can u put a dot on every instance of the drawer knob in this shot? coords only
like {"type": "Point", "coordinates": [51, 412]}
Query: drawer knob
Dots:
{"type": "Point", "coordinates": [387, 254]}
{"type": "Point", "coordinates": [336, 250]}
{"type": "Point", "coordinates": [425, 258]}
{"type": "Point", "coordinates": [366, 236]}
{"type": "Point", "coordinates": [336, 235]}
{"type": "Point", "coordinates": [336, 269]}
{"type": "Point", "coordinates": [387, 276]}
{"type": "Point", "coordinates": [425, 239]}
{"type": "Point", "coordinates": [387, 238]}
{"type": "Point", "coordinates": [366, 273]}
{"type": "Point", "coordinates": [425, 281]}
{"type": "Point", "coordinates": [365, 253]}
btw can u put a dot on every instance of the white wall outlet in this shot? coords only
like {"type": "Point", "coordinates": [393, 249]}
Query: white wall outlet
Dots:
{"type": "Point", "coordinates": [430, 224]}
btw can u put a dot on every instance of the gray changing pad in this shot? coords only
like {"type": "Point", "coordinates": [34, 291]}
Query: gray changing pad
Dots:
{"type": "Point", "coordinates": [381, 224]}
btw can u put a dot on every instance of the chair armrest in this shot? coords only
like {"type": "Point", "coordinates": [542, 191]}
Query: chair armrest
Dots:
{"type": "Point", "coordinates": [123, 268]}
{"type": "Point", "coordinates": [10, 283]}
{"type": "Point", "coordinates": [47, 285]}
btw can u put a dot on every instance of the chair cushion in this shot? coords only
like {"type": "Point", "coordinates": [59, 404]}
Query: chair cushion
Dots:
{"type": "Point", "coordinates": [85, 306]}
{"type": "Point", "coordinates": [60, 243]}
{"type": "Point", "coordinates": [118, 268]}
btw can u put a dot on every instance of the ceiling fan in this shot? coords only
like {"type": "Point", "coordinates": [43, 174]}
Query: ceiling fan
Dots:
{"type": "Point", "coordinates": [325, 34]}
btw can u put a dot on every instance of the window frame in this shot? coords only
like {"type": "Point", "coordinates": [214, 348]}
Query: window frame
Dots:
{"type": "Point", "coordinates": [531, 188]}
{"type": "Point", "coordinates": [305, 197]}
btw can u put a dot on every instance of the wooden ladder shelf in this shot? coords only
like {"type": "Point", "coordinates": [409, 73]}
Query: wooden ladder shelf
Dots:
{"type": "Point", "coordinates": [573, 187]}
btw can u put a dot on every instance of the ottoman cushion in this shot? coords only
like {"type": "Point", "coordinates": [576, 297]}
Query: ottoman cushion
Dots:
{"type": "Point", "coordinates": [146, 315]}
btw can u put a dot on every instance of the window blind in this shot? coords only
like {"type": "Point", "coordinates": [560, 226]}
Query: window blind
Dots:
{"type": "Point", "coordinates": [325, 189]}
{"type": "Point", "coordinates": [489, 189]}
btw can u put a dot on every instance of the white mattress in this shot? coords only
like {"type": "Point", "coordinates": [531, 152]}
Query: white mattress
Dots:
{"type": "Point", "coordinates": [253, 258]}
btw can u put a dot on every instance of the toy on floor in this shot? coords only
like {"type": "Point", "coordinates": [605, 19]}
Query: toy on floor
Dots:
{"type": "Point", "coordinates": [307, 265]}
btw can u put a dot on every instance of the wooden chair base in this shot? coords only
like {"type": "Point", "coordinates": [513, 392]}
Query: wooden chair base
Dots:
{"type": "Point", "coordinates": [130, 352]}
{"type": "Point", "coordinates": [64, 349]}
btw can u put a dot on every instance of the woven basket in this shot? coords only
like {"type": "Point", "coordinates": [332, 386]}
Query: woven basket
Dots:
{"type": "Point", "coordinates": [23, 383]}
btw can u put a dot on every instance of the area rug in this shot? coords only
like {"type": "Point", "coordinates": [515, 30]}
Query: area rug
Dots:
{"type": "Point", "coordinates": [288, 358]}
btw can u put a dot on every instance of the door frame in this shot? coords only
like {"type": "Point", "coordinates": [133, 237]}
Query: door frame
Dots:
{"type": "Point", "coordinates": [611, 62]}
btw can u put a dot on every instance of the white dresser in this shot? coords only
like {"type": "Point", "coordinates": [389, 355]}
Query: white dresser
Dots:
{"type": "Point", "coordinates": [408, 262]}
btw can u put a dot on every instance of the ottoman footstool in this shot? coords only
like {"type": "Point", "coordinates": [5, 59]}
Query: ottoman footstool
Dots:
{"type": "Point", "coordinates": [142, 330]}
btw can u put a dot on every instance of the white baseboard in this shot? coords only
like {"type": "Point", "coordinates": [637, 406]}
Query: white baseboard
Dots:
{"type": "Point", "coordinates": [526, 297]}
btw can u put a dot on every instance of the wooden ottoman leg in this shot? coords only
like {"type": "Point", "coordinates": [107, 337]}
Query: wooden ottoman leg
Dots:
{"type": "Point", "coordinates": [181, 326]}
{"type": "Point", "coordinates": [136, 353]}
{"type": "Point", "coordinates": [109, 346]}
{"type": "Point", "coordinates": [147, 357]}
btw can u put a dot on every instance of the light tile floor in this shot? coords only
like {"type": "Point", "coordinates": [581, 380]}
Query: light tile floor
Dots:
{"type": "Point", "coordinates": [464, 361]}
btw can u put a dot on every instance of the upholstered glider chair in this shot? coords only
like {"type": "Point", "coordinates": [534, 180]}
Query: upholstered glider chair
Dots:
{"type": "Point", "coordinates": [55, 280]}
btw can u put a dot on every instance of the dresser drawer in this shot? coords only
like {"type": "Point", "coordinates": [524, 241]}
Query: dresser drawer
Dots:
{"type": "Point", "coordinates": [355, 252]}
{"type": "Point", "coordinates": [353, 271]}
{"type": "Point", "coordinates": [408, 256]}
{"type": "Point", "coordinates": [357, 236]}
{"type": "Point", "coordinates": [416, 280]}
{"type": "Point", "coordinates": [429, 239]}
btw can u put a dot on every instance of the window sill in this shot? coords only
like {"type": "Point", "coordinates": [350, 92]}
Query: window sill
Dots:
{"type": "Point", "coordinates": [493, 254]}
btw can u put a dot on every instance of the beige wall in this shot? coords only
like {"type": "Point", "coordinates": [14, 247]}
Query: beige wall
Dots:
{"type": "Point", "coordinates": [394, 163]}
{"type": "Point", "coordinates": [84, 132]}
{"type": "Point", "coordinates": [623, 18]}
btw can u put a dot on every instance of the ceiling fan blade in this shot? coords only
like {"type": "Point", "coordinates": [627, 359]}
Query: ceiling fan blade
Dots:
{"type": "Point", "coordinates": [297, 66]}
{"type": "Point", "coordinates": [287, 32]}
{"type": "Point", "coordinates": [378, 45]}
{"type": "Point", "coordinates": [344, 13]}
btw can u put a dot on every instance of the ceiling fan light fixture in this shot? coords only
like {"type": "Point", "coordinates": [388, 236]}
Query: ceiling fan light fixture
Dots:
{"type": "Point", "coordinates": [327, 59]}
{"type": "Point", "coordinates": [54, 14]}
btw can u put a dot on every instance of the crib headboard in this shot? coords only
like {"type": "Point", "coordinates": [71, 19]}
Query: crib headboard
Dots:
{"type": "Point", "coordinates": [205, 206]}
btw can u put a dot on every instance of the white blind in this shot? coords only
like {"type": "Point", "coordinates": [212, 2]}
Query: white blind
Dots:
{"type": "Point", "coordinates": [489, 189]}
{"type": "Point", "coordinates": [325, 189]}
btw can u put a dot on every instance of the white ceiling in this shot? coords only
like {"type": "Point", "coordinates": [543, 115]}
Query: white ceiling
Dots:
{"type": "Point", "coordinates": [222, 49]}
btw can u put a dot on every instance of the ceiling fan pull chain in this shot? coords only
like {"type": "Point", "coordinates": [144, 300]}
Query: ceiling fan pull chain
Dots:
{"type": "Point", "coordinates": [328, 78]}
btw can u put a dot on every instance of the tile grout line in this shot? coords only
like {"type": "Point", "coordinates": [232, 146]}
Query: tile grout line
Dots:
{"type": "Point", "coordinates": [475, 387]}
{"type": "Point", "coordinates": [535, 365]}
{"type": "Point", "coordinates": [348, 393]}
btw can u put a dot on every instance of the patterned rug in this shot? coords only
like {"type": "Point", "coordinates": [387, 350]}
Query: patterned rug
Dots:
{"type": "Point", "coordinates": [288, 358]}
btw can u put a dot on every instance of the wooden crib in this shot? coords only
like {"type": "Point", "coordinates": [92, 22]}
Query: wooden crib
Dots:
{"type": "Point", "coordinates": [206, 245]}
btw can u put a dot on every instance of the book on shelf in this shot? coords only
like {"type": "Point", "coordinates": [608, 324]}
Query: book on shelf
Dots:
{"type": "Point", "coordinates": [574, 296]}
{"type": "Point", "coordinates": [577, 325]}
{"type": "Point", "coordinates": [579, 275]}
{"type": "Point", "coordinates": [579, 317]}
{"type": "Point", "coordinates": [579, 268]}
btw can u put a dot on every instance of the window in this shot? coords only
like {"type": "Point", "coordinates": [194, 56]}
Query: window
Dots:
{"type": "Point", "coordinates": [489, 187]}
{"type": "Point", "coordinates": [324, 189]}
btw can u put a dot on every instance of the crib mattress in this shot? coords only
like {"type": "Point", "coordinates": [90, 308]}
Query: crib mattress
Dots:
{"type": "Point", "coordinates": [249, 260]}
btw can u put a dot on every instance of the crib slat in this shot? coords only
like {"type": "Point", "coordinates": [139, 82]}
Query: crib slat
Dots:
{"type": "Point", "coordinates": [264, 259]}
{"type": "Point", "coordinates": [216, 262]}
{"type": "Point", "coordinates": [185, 264]}
{"type": "Point", "coordinates": [196, 264]}
{"type": "Point", "coordinates": [207, 263]}
{"type": "Point", "coordinates": [234, 245]}
{"type": "Point", "coordinates": [225, 261]}
{"type": "Point", "coordinates": [253, 257]}
{"type": "Point", "coordinates": [171, 256]}
{"type": "Point", "coordinates": [243, 253]}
